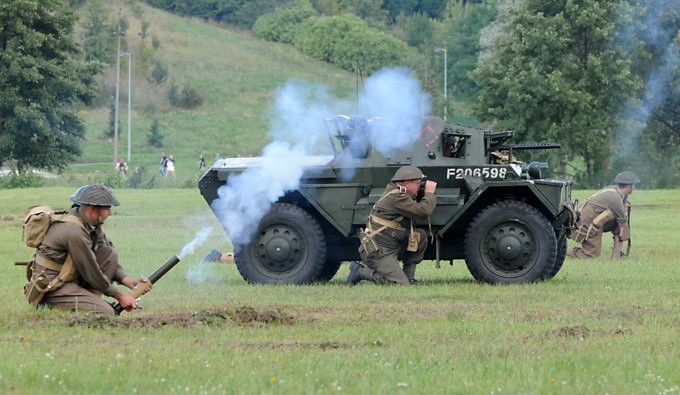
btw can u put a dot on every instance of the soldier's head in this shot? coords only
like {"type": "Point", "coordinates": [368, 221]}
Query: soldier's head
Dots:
{"type": "Point", "coordinates": [95, 202]}
{"type": "Point", "coordinates": [409, 177]}
{"type": "Point", "coordinates": [626, 181]}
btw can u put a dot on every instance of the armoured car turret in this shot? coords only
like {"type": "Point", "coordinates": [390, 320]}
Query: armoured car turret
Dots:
{"type": "Point", "coordinates": [500, 215]}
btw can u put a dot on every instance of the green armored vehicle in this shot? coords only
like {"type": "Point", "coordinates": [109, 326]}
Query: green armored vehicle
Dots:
{"type": "Point", "coordinates": [498, 214]}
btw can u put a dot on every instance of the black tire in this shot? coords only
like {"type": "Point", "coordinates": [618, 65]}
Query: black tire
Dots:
{"type": "Point", "coordinates": [559, 259]}
{"type": "Point", "coordinates": [329, 271]}
{"type": "Point", "coordinates": [510, 242]}
{"type": "Point", "coordinates": [289, 247]}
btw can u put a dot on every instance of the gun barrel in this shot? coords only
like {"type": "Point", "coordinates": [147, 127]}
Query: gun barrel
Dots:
{"type": "Point", "coordinates": [153, 278]}
{"type": "Point", "coordinates": [524, 147]}
{"type": "Point", "coordinates": [160, 272]}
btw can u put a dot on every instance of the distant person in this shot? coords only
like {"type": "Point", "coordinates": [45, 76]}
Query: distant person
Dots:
{"type": "Point", "coordinates": [201, 162]}
{"type": "Point", "coordinates": [217, 156]}
{"type": "Point", "coordinates": [170, 166]}
{"type": "Point", "coordinates": [605, 211]}
{"type": "Point", "coordinates": [121, 166]}
{"type": "Point", "coordinates": [164, 164]}
{"type": "Point", "coordinates": [390, 234]}
{"type": "Point", "coordinates": [83, 245]}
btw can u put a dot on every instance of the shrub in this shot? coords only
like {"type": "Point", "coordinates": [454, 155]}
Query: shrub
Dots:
{"type": "Point", "coordinates": [185, 97]}
{"type": "Point", "coordinates": [29, 180]}
{"type": "Point", "coordinates": [282, 24]}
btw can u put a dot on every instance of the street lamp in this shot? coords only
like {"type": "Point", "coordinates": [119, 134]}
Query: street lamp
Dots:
{"type": "Point", "coordinates": [129, 55]}
{"type": "Point", "coordinates": [438, 49]}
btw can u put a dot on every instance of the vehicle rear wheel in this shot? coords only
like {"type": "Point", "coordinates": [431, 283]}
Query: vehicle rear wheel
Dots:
{"type": "Point", "coordinates": [510, 242]}
{"type": "Point", "coordinates": [289, 247]}
{"type": "Point", "coordinates": [329, 271]}
{"type": "Point", "coordinates": [559, 260]}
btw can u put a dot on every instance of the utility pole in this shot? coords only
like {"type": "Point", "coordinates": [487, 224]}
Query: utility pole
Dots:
{"type": "Point", "coordinates": [129, 55]}
{"type": "Point", "coordinates": [118, 33]}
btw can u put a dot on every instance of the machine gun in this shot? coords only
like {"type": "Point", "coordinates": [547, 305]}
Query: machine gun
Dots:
{"type": "Point", "coordinates": [141, 288]}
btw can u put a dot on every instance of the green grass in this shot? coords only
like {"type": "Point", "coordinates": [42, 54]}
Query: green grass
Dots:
{"type": "Point", "coordinates": [599, 326]}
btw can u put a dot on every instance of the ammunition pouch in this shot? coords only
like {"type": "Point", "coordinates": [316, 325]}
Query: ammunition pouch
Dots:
{"type": "Point", "coordinates": [413, 240]}
{"type": "Point", "coordinates": [367, 247]}
{"type": "Point", "coordinates": [584, 231]}
{"type": "Point", "coordinates": [38, 285]}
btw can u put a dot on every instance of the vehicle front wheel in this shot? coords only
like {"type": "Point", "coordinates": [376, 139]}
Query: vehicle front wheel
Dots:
{"type": "Point", "coordinates": [510, 242]}
{"type": "Point", "coordinates": [289, 247]}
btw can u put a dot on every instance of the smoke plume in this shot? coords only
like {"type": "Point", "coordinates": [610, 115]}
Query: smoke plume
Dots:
{"type": "Point", "coordinates": [199, 239]}
{"type": "Point", "coordinates": [653, 35]}
{"type": "Point", "coordinates": [297, 133]}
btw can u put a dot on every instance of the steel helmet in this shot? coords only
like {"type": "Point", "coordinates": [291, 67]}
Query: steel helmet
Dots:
{"type": "Point", "coordinates": [408, 173]}
{"type": "Point", "coordinates": [94, 195]}
{"type": "Point", "coordinates": [626, 177]}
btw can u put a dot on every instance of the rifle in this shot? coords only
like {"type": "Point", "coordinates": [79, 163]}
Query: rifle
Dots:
{"type": "Point", "coordinates": [623, 234]}
{"type": "Point", "coordinates": [141, 288]}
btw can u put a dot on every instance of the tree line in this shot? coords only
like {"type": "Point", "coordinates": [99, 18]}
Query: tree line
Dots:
{"type": "Point", "coordinates": [601, 77]}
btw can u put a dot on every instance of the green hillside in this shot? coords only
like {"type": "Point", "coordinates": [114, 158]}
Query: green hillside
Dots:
{"type": "Point", "coordinates": [236, 74]}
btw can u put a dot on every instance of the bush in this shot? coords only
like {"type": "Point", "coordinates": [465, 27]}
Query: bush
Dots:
{"type": "Point", "coordinates": [185, 97]}
{"type": "Point", "coordinates": [155, 138]}
{"type": "Point", "coordinates": [282, 24]}
{"type": "Point", "coordinates": [29, 180]}
{"type": "Point", "coordinates": [348, 42]}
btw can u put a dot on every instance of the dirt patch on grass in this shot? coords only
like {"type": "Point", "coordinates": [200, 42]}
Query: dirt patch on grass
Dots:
{"type": "Point", "coordinates": [243, 316]}
{"type": "Point", "coordinates": [582, 332]}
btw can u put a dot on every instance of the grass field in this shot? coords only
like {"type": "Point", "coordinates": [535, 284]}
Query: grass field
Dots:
{"type": "Point", "coordinates": [598, 327]}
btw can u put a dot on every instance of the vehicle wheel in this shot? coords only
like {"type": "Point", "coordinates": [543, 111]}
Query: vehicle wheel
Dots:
{"type": "Point", "coordinates": [289, 247]}
{"type": "Point", "coordinates": [559, 260]}
{"type": "Point", "coordinates": [510, 242]}
{"type": "Point", "coordinates": [329, 271]}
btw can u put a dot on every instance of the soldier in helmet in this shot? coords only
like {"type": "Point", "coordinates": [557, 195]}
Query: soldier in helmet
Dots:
{"type": "Point", "coordinates": [605, 211]}
{"type": "Point", "coordinates": [94, 258]}
{"type": "Point", "coordinates": [390, 234]}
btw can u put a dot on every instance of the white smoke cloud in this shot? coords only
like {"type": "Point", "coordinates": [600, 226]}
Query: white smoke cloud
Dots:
{"type": "Point", "coordinates": [298, 132]}
{"type": "Point", "coordinates": [651, 32]}
{"type": "Point", "coordinates": [198, 240]}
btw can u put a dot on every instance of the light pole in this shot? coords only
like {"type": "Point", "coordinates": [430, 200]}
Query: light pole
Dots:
{"type": "Point", "coordinates": [129, 55]}
{"type": "Point", "coordinates": [446, 104]}
{"type": "Point", "coordinates": [118, 33]}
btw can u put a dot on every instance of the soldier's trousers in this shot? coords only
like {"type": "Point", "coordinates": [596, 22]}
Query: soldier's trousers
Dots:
{"type": "Point", "coordinates": [72, 296]}
{"type": "Point", "coordinates": [383, 267]}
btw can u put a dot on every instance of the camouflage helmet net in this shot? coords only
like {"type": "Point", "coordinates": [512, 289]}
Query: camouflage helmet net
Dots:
{"type": "Point", "coordinates": [408, 173]}
{"type": "Point", "coordinates": [94, 195]}
{"type": "Point", "coordinates": [626, 177]}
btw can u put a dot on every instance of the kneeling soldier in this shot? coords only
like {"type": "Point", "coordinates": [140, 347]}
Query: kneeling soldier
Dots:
{"type": "Point", "coordinates": [92, 259]}
{"type": "Point", "coordinates": [605, 211]}
{"type": "Point", "coordinates": [390, 233]}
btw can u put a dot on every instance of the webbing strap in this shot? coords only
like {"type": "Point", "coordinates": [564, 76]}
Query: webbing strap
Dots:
{"type": "Point", "coordinates": [386, 222]}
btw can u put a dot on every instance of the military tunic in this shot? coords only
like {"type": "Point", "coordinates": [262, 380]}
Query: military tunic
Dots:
{"type": "Point", "coordinates": [95, 261]}
{"type": "Point", "coordinates": [609, 198]}
{"type": "Point", "coordinates": [383, 265]}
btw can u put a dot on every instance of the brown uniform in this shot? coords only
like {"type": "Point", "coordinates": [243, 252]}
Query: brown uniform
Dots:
{"type": "Point", "coordinates": [95, 261]}
{"type": "Point", "coordinates": [383, 264]}
{"type": "Point", "coordinates": [610, 199]}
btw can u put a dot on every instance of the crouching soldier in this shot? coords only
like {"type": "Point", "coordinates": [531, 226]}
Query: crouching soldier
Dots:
{"type": "Point", "coordinates": [605, 211]}
{"type": "Point", "coordinates": [78, 261]}
{"type": "Point", "coordinates": [390, 234]}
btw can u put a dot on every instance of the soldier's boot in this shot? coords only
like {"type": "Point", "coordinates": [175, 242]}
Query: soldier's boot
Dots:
{"type": "Point", "coordinates": [354, 276]}
{"type": "Point", "coordinates": [410, 272]}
